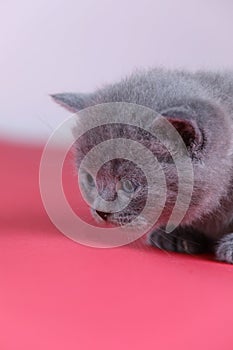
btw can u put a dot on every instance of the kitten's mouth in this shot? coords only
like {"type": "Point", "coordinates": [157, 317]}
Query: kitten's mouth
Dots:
{"type": "Point", "coordinates": [115, 219]}
{"type": "Point", "coordinates": [102, 215]}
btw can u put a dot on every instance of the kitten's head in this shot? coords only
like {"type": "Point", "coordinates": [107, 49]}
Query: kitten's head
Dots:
{"type": "Point", "coordinates": [118, 181]}
{"type": "Point", "coordinates": [123, 182]}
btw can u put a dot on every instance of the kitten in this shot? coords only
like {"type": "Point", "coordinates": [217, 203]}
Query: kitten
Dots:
{"type": "Point", "coordinates": [200, 106]}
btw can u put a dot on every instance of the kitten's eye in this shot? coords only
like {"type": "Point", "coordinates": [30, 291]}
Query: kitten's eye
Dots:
{"type": "Point", "coordinates": [90, 180]}
{"type": "Point", "coordinates": [127, 186]}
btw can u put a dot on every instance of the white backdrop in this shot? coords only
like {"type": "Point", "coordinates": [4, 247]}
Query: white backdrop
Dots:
{"type": "Point", "coordinates": [53, 46]}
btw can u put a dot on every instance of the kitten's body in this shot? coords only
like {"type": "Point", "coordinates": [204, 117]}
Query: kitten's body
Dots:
{"type": "Point", "coordinates": [204, 99]}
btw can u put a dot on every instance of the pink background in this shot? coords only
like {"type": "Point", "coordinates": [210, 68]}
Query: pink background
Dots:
{"type": "Point", "coordinates": [57, 294]}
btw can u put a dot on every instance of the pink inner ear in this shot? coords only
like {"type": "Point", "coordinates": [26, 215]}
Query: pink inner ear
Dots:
{"type": "Point", "coordinates": [188, 130]}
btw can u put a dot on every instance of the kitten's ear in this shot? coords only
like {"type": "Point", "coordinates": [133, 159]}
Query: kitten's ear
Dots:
{"type": "Point", "coordinates": [189, 131]}
{"type": "Point", "coordinates": [185, 124]}
{"type": "Point", "coordinates": [72, 101]}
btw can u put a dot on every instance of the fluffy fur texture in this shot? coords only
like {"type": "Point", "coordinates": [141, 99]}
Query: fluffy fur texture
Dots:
{"type": "Point", "coordinates": [200, 106]}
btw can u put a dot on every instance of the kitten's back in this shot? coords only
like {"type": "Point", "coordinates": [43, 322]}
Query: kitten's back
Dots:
{"type": "Point", "coordinates": [161, 88]}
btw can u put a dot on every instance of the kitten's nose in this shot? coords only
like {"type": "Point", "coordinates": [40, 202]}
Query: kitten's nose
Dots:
{"type": "Point", "coordinates": [102, 214]}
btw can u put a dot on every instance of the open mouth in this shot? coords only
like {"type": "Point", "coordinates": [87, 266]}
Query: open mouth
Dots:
{"type": "Point", "coordinates": [116, 219]}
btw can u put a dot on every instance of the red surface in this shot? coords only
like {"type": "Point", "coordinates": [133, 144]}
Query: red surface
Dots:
{"type": "Point", "coordinates": [57, 294]}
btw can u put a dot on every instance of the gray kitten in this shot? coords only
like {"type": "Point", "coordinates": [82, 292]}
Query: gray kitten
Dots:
{"type": "Point", "coordinates": [200, 106]}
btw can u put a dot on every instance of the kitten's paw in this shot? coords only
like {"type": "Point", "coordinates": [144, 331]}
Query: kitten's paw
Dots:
{"type": "Point", "coordinates": [224, 249]}
{"type": "Point", "coordinates": [182, 240]}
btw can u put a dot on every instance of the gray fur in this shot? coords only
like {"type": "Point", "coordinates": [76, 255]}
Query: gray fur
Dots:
{"type": "Point", "coordinates": [204, 99]}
